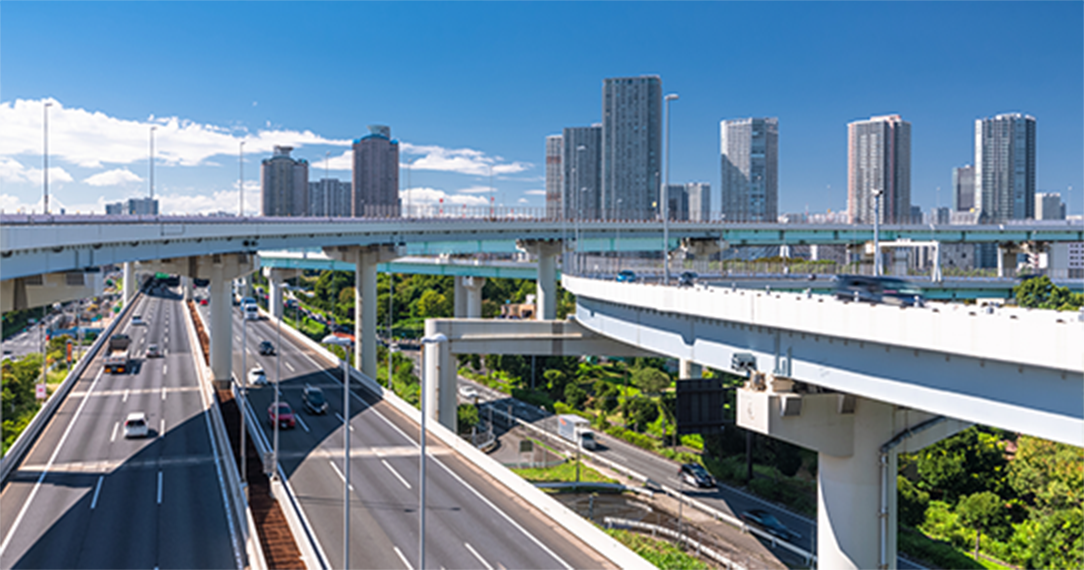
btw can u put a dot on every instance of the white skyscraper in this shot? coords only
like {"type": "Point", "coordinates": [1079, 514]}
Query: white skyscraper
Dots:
{"type": "Point", "coordinates": [750, 167]}
{"type": "Point", "coordinates": [699, 196]}
{"type": "Point", "coordinates": [879, 158]}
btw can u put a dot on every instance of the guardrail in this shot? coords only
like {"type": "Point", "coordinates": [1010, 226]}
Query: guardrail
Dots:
{"type": "Point", "coordinates": [222, 448]}
{"type": "Point", "coordinates": [701, 548]}
{"type": "Point", "coordinates": [806, 555]}
{"type": "Point", "coordinates": [30, 434]}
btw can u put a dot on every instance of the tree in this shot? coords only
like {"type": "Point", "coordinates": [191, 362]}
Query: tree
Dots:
{"type": "Point", "coordinates": [433, 305]}
{"type": "Point", "coordinates": [466, 417]}
{"type": "Point", "coordinates": [911, 502]}
{"type": "Point", "coordinates": [650, 380]}
{"type": "Point", "coordinates": [643, 411]}
{"type": "Point", "coordinates": [574, 395]}
{"type": "Point", "coordinates": [979, 511]}
{"type": "Point", "coordinates": [1041, 293]}
{"type": "Point", "coordinates": [964, 464]}
{"type": "Point", "coordinates": [1047, 473]}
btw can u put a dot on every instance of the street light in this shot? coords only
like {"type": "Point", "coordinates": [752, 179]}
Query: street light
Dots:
{"type": "Point", "coordinates": [153, 128]}
{"type": "Point", "coordinates": [666, 199]}
{"type": "Point", "coordinates": [45, 160]}
{"type": "Point", "coordinates": [327, 183]}
{"type": "Point", "coordinates": [241, 180]}
{"type": "Point", "coordinates": [344, 343]}
{"type": "Point", "coordinates": [436, 339]}
{"type": "Point", "coordinates": [877, 193]}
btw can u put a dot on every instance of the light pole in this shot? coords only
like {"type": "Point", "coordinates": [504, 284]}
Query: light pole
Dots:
{"type": "Point", "coordinates": [436, 339]}
{"type": "Point", "coordinates": [278, 383]}
{"type": "Point", "coordinates": [666, 199]}
{"type": "Point", "coordinates": [343, 343]}
{"type": "Point", "coordinates": [392, 348]}
{"type": "Point", "coordinates": [877, 193]}
{"type": "Point", "coordinates": [244, 397]}
{"type": "Point", "coordinates": [241, 180]}
{"type": "Point", "coordinates": [45, 161]}
{"type": "Point", "coordinates": [327, 183]}
{"type": "Point", "coordinates": [153, 128]}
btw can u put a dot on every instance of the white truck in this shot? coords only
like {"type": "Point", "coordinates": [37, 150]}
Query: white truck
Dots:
{"type": "Point", "coordinates": [577, 430]}
{"type": "Point", "coordinates": [116, 362]}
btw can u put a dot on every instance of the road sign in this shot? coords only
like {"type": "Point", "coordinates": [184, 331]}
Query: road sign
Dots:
{"type": "Point", "coordinates": [268, 463]}
{"type": "Point", "coordinates": [701, 406]}
{"type": "Point", "coordinates": [41, 392]}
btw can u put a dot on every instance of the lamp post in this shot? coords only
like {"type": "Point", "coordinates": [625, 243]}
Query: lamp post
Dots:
{"type": "Point", "coordinates": [45, 161]}
{"type": "Point", "coordinates": [278, 383]}
{"type": "Point", "coordinates": [327, 183]}
{"type": "Point", "coordinates": [666, 199]}
{"type": "Point", "coordinates": [153, 128]}
{"type": "Point", "coordinates": [241, 180]}
{"type": "Point", "coordinates": [244, 397]}
{"type": "Point", "coordinates": [877, 193]}
{"type": "Point", "coordinates": [436, 339]}
{"type": "Point", "coordinates": [331, 339]}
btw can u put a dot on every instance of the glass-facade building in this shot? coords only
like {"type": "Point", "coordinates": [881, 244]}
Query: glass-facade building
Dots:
{"type": "Point", "coordinates": [631, 144]}
{"type": "Point", "coordinates": [749, 149]}
{"type": "Point", "coordinates": [1005, 167]}
{"type": "Point", "coordinates": [879, 158]}
{"type": "Point", "coordinates": [581, 191]}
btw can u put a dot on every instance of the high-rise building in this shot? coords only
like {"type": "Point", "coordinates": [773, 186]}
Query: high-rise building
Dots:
{"type": "Point", "coordinates": [581, 191]}
{"type": "Point", "coordinates": [963, 188]}
{"type": "Point", "coordinates": [1048, 206]}
{"type": "Point", "coordinates": [699, 194]}
{"type": "Point", "coordinates": [879, 158]}
{"type": "Point", "coordinates": [329, 197]}
{"type": "Point", "coordinates": [678, 196]}
{"type": "Point", "coordinates": [631, 147]}
{"type": "Point", "coordinates": [133, 207]}
{"type": "Point", "coordinates": [284, 184]}
{"type": "Point", "coordinates": [938, 216]}
{"type": "Point", "coordinates": [554, 176]}
{"type": "Point", "coordinates": [1005, 167]}
{"type": "Point", "coordinates": [750, 168]}
{"type": "Point", "coordinates": [376, 174]}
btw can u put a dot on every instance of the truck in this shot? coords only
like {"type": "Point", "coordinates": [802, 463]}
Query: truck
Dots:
{"type": "Point", "coordinates": [577, 430]}
{"type": "Point", "coordinates": [116, 361]}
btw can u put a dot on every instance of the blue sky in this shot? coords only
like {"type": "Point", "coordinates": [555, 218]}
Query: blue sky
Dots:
{"type": "Point", "coordinates": [469, 86]}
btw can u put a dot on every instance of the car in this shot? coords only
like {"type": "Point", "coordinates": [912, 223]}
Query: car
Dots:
{"type": "Point", "coordinates": [248, 301]}
{"type": "Point", "coordinates": [153, 351]}
{"type": "Point", "coordinates": [284, 417]}
{"type": "Point", "coordinates": [257, 377]}
{"type": "Point", "coordinates": [266, 348]}
{"type": "Point", "coordinates": [887, 290]}
{"type": "Point", "coordinates": [687, 279]}
{"type": "Point", "coordinates": [137, 320]}
{"type": "Point", "coordinates": [314, 399]}
{"type": "Point", "coordinates": [203, 301]}
{"type": "Point", "coordinates": [694, 474]}
{"type": "Point", "coordinates": [135, 425]}
{"type": "Point", "coordinates": [770, 524]}
{"type": "Point", "coordinates": [626, 276]}
{"type": "Point", "coordinates": [468, 392]}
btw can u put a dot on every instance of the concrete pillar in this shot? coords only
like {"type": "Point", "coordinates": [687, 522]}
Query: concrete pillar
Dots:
{"type": "Point", "coordinates": [687, 369]}
{"type": "Point", "coordinates": [221, 333]}
{"type": "Point", "coordinates": [1006, 259]}
{"type": "Point", "coordinates": [275, 301]}
{"type": "Point", "coordinates": [129, 289]}
{"type": "Point", "coordinates": [186, 287]}
{"type": "Point", "coordinates": [935, 273]}
{"type": "Point", "coordinates": [472, 291]}
{"type": "Point", "coordinates": [460, 306]}
{"type": "Point", "coordinates": [899, 261]}
{"type": "Point", "coordinates": [439, 386]}
{"type": "Point", "coordinates": [546, 287]}
{"type": "Point", "coordinates": [365, 313]}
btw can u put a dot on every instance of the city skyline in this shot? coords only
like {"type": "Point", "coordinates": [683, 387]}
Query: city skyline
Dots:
{"type": "Point", "coordinates": [454, 136]}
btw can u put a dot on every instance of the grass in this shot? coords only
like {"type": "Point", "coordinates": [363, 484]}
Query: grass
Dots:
{"type": "Point", "coordinates": [659, 553]}
{"type": "Point", "coordinates": [565, 472]}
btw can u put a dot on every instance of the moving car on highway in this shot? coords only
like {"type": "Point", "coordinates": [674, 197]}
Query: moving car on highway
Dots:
{"type": "Point", "coordinates": [153, 351]}
{"type": "Point", "coordinates": [626, 276]}
{"type": "Point", "coordinates": [687, 279]}
{"type": "Point", "coordinates": [257, 377]}
{"type": "Point", "coordinates": [764, 520]}
{"type": "Point", "coordinates": [285, 416]}
{"type": "Point", "coordinates": [887, 290]}
{"type": "Point", "coordinates": [694, 474]}
{"type": "Point", "coordinates": [314, 400]}
{"type": "Point", "coordinates": [266, 348]}
{"type": "Point", "coordinates": [135, 425]}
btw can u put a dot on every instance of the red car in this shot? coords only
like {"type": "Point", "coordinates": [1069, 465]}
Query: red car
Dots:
{"type": "Point", "coordinates": [285, 416]}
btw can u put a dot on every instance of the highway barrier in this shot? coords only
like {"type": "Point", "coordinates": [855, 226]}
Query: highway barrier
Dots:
{"type": "Point", "coordinates": [30, 434]}
{"type": "Point", "coordinates": [654, 529]}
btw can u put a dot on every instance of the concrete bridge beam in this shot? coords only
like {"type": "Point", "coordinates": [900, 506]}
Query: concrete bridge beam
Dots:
{"type": "Point", "coordinates": [38, 290]}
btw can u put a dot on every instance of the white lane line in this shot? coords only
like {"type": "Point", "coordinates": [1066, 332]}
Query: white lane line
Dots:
{"type": "Point", "coordinates": [290, 367]}
{"type": "Point", "coordinates": [44, 472]}
{"type": "Point", "coordinates": [302, 422]}
{"type": "Point", "coordinates": [165, 367]}
{"type": "Point", "coordinates": [163, 393]}
{"type": "Point", "coordinates": [478, 556]}
{"type": "Point", "coordinates": [125, 398]}
{"type": "Point", "coordinates": [396, 473]}
{"type": "Point", "coordinates": [341, 420]}
{"type": "Point", "coordinates": [159, 487]}
{"type": "Point", "coordinates": [162, 427]}
{"type": "Point", "coordinates": [97, 489]}
{"type": "Point", "coordinates": [113, 437]}
{"type": "Point", "coordinates": [403, 558]}
{"type": "Point", "coordinates": [339, 473]}
{"type": "Point", "coordinates": [238, 337]}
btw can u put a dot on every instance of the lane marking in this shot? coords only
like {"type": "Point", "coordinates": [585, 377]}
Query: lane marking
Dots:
{"type": "Point", "coordinates": [165, 367]}
{"type": "Point", "coordinates": [163, 393]}
{"type": "Point", "coordinates": [238, 337]}
{"type": "Point", "coordinates": [162, 426]}
{"type": "Point", "coordinates": [97, 489]}
{"type": "Point", "coordinates": [113, 437]}
{"type": "Point", "coordinates": [302, 422]}
{"type": "Point", "coordinates": [403, 558]}
{"type": "Point", "coordinates": [394, 472]}
{"type": "Point", "coordinates": [339, 473]}
{"type": "Point", "coordinates": [478, 556]}
{"type": "Point", "coordinates": [44, 472]}
{"type": "Point", "coordinates": [338, 415]}
{"type": "Point", "coordinates": [159, 487]}
{"type": "Point", "coordinates": [125, 398]}
{"type": "Point", "coordinates": [290, 367]}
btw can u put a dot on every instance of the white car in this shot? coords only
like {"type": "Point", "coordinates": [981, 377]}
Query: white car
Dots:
{"type": "Point", "coordinates": [257, 377]}
{"type": "Point", "coordinates": [137, 320]}
{"type": "Point", "coordinates": [136, 425]}
{"type": "Point", "coordinates": [468, 392]}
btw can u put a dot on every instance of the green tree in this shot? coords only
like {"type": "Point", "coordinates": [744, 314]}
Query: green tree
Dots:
{"type": "Point", "coordinates": [432, 305]}
{"type": "Point", "coordinates": [1041, 293]}
{"type": "Point", "coordinates": [466, 417]}
{"type": "Point", "coordinates": [1059, 540]}
{"type": "Point", "coordinates": [555, 382]}
{"type": "Point", "coordinates": [1048, 474]}
{"type": "Point", "coordinates": [650, 380]}
{"type": "Point", "coordinates": [964, 464]}
{"type": "Point", "coordinates": [643, 411]}
{"type": "Point", "coordinates": [911, 502]}
{"type": "Point", "coordinates": [979, 511]}
{"type": "Point", "coordinates": [574, 395]}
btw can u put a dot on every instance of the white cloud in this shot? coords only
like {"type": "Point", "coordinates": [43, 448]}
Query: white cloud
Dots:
{"type": "Point", "coordinates": [12, 204]}
{"type": "Point", "coordinates": [535, 192]}
{"type": "Point", "coordinates": [90, 139]}
{"type": "Point", "coordinates": [476, 190]}
{"type": "Point", "coordinates": [522, 201]}
{"type": "Point", "coordinates": [114, 177]}
{"type": "Point", "coordinates": [12, 170]}
{"type": "Point", "coordinates": [461, 160]}
{"type": "Point", "coordinates": [344, 161]}
{"type": "Point", "coordinates": [429, 196]}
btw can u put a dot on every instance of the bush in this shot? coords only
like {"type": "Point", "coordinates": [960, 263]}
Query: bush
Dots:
{"type": "Point", "coordinates": [911, 501]}
{"type": "Point", "coordinates": [466, 417]}
{"type": "Point", "coordinates": [934, 553]}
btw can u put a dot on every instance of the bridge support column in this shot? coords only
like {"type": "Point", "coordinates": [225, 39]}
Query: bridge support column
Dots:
{"type": "Point", "coordinates": [687, 369]}
{"type": "Point", "coordinates": [186, 288]}
{"type": "Point", "coordinates": [439, 384]}
{"type": "Point", "coordinates": [546, 288]}
{"type": "Point", "coordinates": [468, 297]}
{"type": "Point", "coordinates": [899, 262]}
{"type": "Point", "coordinates": [128, 287]}
{"type": "Point", "coordinates": [460, 305]}
{"type": "Point", "coordinates": [365, 260]}
{"type": "Point", "coordinates": [276, 278]}
{"type": "Point", "coordinates": [856, 440]}
{"type": "Point", "coordinates": [221, 337]}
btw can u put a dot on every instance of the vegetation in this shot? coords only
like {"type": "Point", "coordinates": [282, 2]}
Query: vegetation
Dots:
{"type": "Point", "coordinates": [1041, 293]}
{"type": "Point", "coordinates": [565, 472]}
{"type": "Point", "coordinates": [660, 553]}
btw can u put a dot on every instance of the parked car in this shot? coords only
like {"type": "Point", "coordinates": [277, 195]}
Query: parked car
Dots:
{"type": "Point", "coordinates": [314, 399]}
{"type": "Point", "coordinates": [153, 351]}
{"type": "Point", "coordinates": [135, 425]}
{"type": "Point", "coordinates": [626, 276]}
{"type": "Point", "coordinates": [694, 474]}
{"type": "Point", "coordinates": [887, 290]}
{"type": "Point", "coordinates": [687, 279]}
{"type": "Point", "coordinates": [266, 348]}
{"type": "Point", "coordinates": [284, 417]}
{"type": "Point", "coordinates": [257, 377]}
{"type": "Point", "coordinates": [770, 524]}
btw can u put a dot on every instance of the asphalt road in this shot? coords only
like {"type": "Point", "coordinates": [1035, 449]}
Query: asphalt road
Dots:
{"type": "Point", "coordinates": [471, 520]}
{"type": "Point", "coordinates": [86, 497]}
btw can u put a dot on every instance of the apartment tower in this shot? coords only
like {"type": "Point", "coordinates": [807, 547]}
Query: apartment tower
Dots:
{"type": "Point", "coordinates": [1005, 167]}
{"type": "Point", "coordinates": [631, 147]}
{"type": "Point", "coordinates": [554, 177]}
{"type": "Point", "coordinates": [879, 158]}
{"type": "Point", "coordinates": [376, 174]}
{"type": "Point", "coordinates": [963, 188]}
{"type": "Point", "coordinates": [582, 188]}
{"type": "Point", "coordinates": [750, 169]}
{"type": "Point", "coordinates": [284, 184]}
